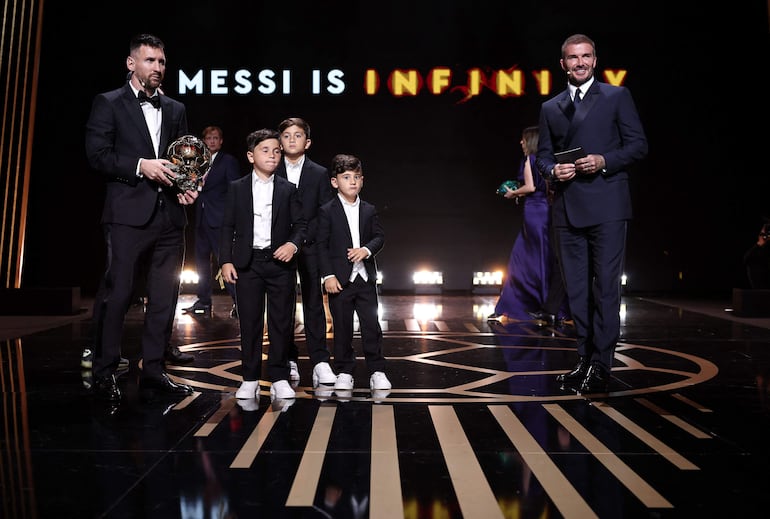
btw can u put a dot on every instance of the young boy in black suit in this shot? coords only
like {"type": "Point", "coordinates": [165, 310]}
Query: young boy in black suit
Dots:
{"type": "Point", "coordinates": [349, 236]}
{"type": "Point", "coordinates": [262, 231]}
{"type": "Point", "coordinates": [312, 181]}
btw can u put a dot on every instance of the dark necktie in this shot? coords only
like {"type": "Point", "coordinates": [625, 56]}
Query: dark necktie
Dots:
{"type": "Point", "coordinates": [154, 100]}
{"type": "Point", "coordinates": [576, 101]}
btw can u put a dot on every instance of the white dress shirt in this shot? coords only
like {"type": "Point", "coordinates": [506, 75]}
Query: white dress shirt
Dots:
{"type": "Point", "coordinates": [262, 192]}
{"type": "Point", "coordinates": [293, 171]}
{"type": "Point", "coordinates": [351, 213]}
{"type": "Point", "coordinates": [583, 89]}
{"type": "Point", "coordinates": [154, 118]}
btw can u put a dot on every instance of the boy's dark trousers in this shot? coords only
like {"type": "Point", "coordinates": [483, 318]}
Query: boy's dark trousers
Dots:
{"type": "Point", "coordinates": [359, 296]}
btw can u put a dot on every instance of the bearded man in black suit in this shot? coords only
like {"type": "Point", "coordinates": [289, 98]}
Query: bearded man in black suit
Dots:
{"type": "Point", "coordinates": [127, 132]}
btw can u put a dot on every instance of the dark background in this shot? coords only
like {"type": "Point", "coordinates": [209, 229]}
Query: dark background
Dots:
{"type": "Point", "coordinates": [432, 163]}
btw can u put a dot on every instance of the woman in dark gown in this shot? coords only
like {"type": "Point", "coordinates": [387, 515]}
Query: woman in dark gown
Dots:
{"type": "Point", "coordinates": [525, 287]}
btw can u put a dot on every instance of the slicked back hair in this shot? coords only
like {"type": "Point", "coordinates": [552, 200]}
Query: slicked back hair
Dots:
{"type": "Point", "coordinates": [342, 163]}
{"type": "Point", "coordinates": [258, 136]}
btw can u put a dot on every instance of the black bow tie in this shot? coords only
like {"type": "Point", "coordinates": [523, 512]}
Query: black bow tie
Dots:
{"type": "Point", "coordinates": [154, 100]}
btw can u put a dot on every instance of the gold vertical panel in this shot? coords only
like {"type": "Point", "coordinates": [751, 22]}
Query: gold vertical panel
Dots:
{"type": "Point", "coordinates": [17, 487]}
{"type": "Point", "coordinates": [19, 62]}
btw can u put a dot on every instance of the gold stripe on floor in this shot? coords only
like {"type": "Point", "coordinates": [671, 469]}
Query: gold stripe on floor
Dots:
{"type": "Point", "coordinates": [630, 479]}
{"type": "Point", "coordinates": [412, 325]}
{"type": "Point", "coordinates": [651, 441]}
{"type": "Point", "coordinates": [303, 488]}
{"type": "Point", "coordinates": [249, 451]}
{"type": "Point", "coordinates": [385, 488]}
{"type": "Point", "coordinates": [699, 407]}
{"type": "Point", "coordinates": [471, 327]}
{"type": "Point", "coordinates": [216, 418]}
{"type": "Point", "coordinates": [674, 419]}
{"type": "Point", "coordinates": [187, 400]}
{"type": "Point", "coordinates": [442, 326]}
{"type": "Point", "coordinates": [471, 487]}
{"type": "Point", "coordinates": [559, 490]}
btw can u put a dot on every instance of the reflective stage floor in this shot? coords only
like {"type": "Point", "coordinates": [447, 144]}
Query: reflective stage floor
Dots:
{"type": "Point", "coordinates": [475, 425]}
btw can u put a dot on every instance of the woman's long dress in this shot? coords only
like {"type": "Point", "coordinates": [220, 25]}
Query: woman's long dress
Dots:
{"type": "Point", "coordinates": [525, 287]}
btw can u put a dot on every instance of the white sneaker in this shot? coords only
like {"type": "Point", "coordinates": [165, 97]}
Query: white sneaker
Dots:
{"type": "Point", "coordinates": [248, 404]}
{"type": "Point", "coordinates": [322, 393]}
{"type": "Point", "coordinates": [344, 381]}
{"type": "Point", "coordinates": [378, 380]}
{"type": "Point", "coordinates": [323, 374]}
{"type": "Point", "coordinates": [248, 389]}
{"type": "Point", "coordinates": [280, 405]}
{"type": "Point", "coordinates": [343, 395]}
{"type": "Point", "coordinates": [378, 395]}
{"type": "Point", "coordinates": [281, 389]}
{"type": "Point", "coordinates": [293, 371]}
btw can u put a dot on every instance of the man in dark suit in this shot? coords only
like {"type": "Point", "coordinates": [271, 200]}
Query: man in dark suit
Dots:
{"type": "Point", "coordinates": [349, 237]}
{"type": "Point", "coordinates": [209, 211]}
{"type": "Point", "coordinates": [262, 231]}
{"type": "Point", "coordinates": [312, 181]}
{"type": "Point", "coordinates": [592, 203]}
{"type": "Point", "coordinates": [127, 131]}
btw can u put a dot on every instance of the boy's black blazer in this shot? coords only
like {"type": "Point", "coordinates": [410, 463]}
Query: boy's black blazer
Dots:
{"type": "Point", "coordinates": [314, 188]}
{"type": "Point", "coordinates": [334, 239]}
{"type": "Point", "coordinates": [237, 237]}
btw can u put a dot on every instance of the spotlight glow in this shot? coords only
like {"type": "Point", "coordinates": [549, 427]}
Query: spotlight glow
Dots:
{"type": "Point", "coordinates": [488, 278]}
{"type": "Point", "coordinates": [189, 277]}
{"type": "Point", "coordinates": [426, 277]}
{"type": "Point", "coordinates": [424, 312]}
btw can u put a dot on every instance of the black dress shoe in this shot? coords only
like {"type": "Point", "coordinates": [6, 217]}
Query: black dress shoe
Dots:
{"type": "Point", "coordinates": [597, 380]}
{"type": "Point", "coordinates": [173, 355]}
{"type": "Point", "coordinates": [152, 388]}
{"type": "Point", "coordinates": [536, 315]}
{"type": "Point", "coordinates": [547, 318]}
{"type": "Point", "coordinates": [106, 388]}
{"type": "Point", "coordinates": [577, 375]}
{"type": "Point", "coordinates": [198, 308]}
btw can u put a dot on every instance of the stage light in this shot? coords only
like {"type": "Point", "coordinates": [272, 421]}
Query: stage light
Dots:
{"type": "Point", "coordinates": [488, 278]}
{"type": "Point", "coordinates": [487, 282]}
{"type": "Point", "coordinates": [188, 281]}
{"type": "Point", "coordinates": [427, 282]}
{"type": "Point", "coordinates": [482, 311]}
{"type": "Point", "coordinates": [623, 279]}
{"type": "Point", "coordinates": [189, 277]}
{"type": "Point", "coordinates": [426, 312]}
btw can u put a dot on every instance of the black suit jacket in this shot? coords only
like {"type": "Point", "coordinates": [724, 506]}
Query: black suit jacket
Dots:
{"type": "Point", "coordinates": [237, 235]}
{"type": "Point", "coordinates": [315, 189]}
{"type": "Point", "coordinates": [210, 206]}
{"type": "Point", "coordinates": [116, 138]}
{"type": "Point", "coordinates": [334, 239]}
{"type": "Point", "coordinates": [606, 122]}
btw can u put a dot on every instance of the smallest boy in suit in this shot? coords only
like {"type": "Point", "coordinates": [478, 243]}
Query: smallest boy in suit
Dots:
{"type": "Point", "coordinates": [349, 236]}
{"type": "Point", "coordinates": [262, 230]}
